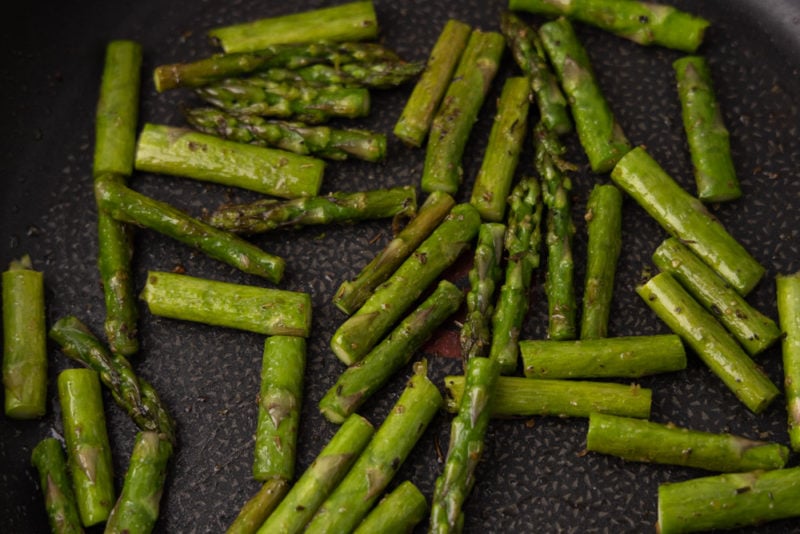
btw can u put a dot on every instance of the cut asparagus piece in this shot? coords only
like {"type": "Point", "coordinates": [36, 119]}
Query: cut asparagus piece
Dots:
{"type": "Point", "coordinates": [598, 130]}
{"type": "Point", "coordinates": [494, 179]}
{"type": "Point", "coordinates": [127, 205]}
{"type": "Point", "coordinates": [645, 23]}
{"type": "Point", "coordinates": [628, 357]}
{"type": "Point", "coordinates": [54, 479]}
{"type": "Point", "coordinates": [134, 395]}
{"type": "Point", "coordinates": [356, 384]}
{"type": "Point", "coordinates": [485, 275]}
{"type": "Point", "coordinates": [259, 507]}
{"type": "Point", "coordinates": [183, 152]}
{"type": "Point", "coordinates": [378, 75]}
{"type": "Point", "coordinates": [290, 56]}
{"type": "Point", "coordinates": [788, 295]}
{"type": "Point", "coordinates": [709, 145]}
{"type": "Point", "coordinates": [309, 103]}
{"type": "Point", "coordinates": [604, 227]}
{"type": "Point", "coordinates": [709, 339]}
{"type": "Point", "coordinates": [24, 341]}
{"type": "Point", "coordinates": [459, 109]}
{"type": "Point", "coordinates": [138, 504]}
{"type": "Point", "coordinates": [397, 513]}
{"type": "Point", "coordinates": [467, 432]}
{"type": "Point", "coordinates": [321, 477]}
{"type": "Point", "coordinates": [279, 404]}
{"type": "Point", "coordinates": [686, 218]}
{"type": "Point", "coordinates": [364, 329]}
{"type": "Point", "coordinates": [353, 21]}
{"type": "Point", "coordinates": [320, 141]}
{"type": "Point", "coordinates": [418, 113]}
{"type": "Point", "coordinates": [269, 214]}
{"type": "Point", "coordinates": [525, 397]}
{"type": "Point", "coordinates": [522, 241]}
{"type": "Point", "coordinates": [646, 441]}
{"type": "Point", "coordinates": [344, 509]}
{"type": "Point", "coordinates": [728, 501]}
{"type": "Point", "coordinates": [754, 331]}
{"type": "Point", "coordinates": [352, 294]}
{"type": "Point", "coordinates": [530, 56]}
{"type": "Point", "coordinates": [255, 309]}
{"type": "Point", "coordinates": [88, 449]}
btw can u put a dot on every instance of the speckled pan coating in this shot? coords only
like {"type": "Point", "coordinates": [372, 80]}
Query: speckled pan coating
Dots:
{"type": "Point", "coordinates": [209, 377]}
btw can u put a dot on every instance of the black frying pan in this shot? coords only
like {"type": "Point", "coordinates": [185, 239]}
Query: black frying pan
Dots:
{"type": "Point", "coordinates": [533, 477]}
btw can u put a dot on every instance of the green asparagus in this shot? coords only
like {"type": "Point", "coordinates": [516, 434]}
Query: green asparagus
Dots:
{"type": "Point", "coordinates": [496, 175]}
{"type": "Point", "coordinates": [24, 341]}
{"type": "Point", "coordinates": [420, 109]}
{"type": "Point", "coordinates": [629, 357]}
{"type": "Point", "coordinates": [709, 339]}
{"type": "Point", "coordinates": [397, 513]}
{"type": "Point", "coordinates": [364, 329]}
{"type": "Point", "coordinates": [269, 214]}
{"type": "Point", "coordinates": [259, 507]}
{"type": "Point", "coordinates": [279, 404]}
{"type": "Point", "coordinates": [377, 75]}
{"type": "Point", "coordinates": [645, 23]}
{"type": "Point", "coordinates": [351, 21]}
{"type": "Point", "coordinates": [709, 145]}
{"type": "Point", "coordinates": [320, 141]}
{"type": "Point", "coordinates": [788, 294]}
{"type": "Point", "coordinates": [59, 499]}
{"type": "Point", "coordinates": [604, 227]}
{"type": "Point", "coordinates": [255, 309]}
{"type": "Point", "coordinates": [459, 109]}
{"type": "Point", "coordinates": [183, 152]}
{"type": "Point", "coordinates": [686, 218]}
{"type": "Point", "coordinates": [127, 205]}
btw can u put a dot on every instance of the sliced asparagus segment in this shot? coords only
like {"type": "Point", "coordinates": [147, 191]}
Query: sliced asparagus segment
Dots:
{"type": "Point", "coordinates": [397, 513]}
{"type": "Point", "coordinates": [59, 499]}
{"type": "Point", "coordinates": [788, 294]}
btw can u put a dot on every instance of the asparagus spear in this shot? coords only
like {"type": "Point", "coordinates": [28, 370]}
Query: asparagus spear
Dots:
{"type": "Point", "coordinates": [353, 21]}
{"type": "Point", "coordinates": [290, 56]}
{"type": "Point", "coordinates": [138, 504]}
{"type": "Point", "coordinates": [629, 357]}
{"type": "Point", "coordinates": [709, 339]}
{"type": "Point", "coordinates": [376, 75]}
{"type": "Point", "coordinates": [604, 226]}
{"type": "Point", "coordinates": [788, 294]}
{"type": "Point", "coordinates": [364, 329]}
{"type": "Point", "coordinates": [467, 432]}
{"type": "Point", "coordinates": [475, 336]}
{"type": "Point", "coordinates": [418, 113]}
{"type": "Point", "coordinates": [344, 509]}
{"type": "Point", "coordinates": [183, 152]}
{"type": "Point", "coordinates": [754, 331]}
{"type": "Point", "coordinates": [494, 179]}
{"type": "Point", "coordinates": [134, 395]}
{"type": "Point", "coordinates": [642, 22]}
{"type": "Point", "coordinates": [282, 368]}
{"type": "Point", "coordinates": [728, 501]}
{"type": "Point", "coordinates": [397, 513]}
{"type": "Point", "coordinates": [359, 381]}
{"type": "Point", "coordinates": [525, 397]}
{"type": "Point", "coordinates": [24, 341]}
{"type": "Point", "coordinates": [353, 293]}
{"type": "Point", "coordinates": [255, 309]}
{"type": "Point", "coordinates": [259, 507]}
{"type": "Point", "coordinates": [709, 146]}
{"type": "Point", "coordinates": [59, 499]}
{"type": "Point", "coordinates": [269, 214]}
{"type": "Point", "coordinates": [88, 449]}
{"type": "Point", "coordinates": [459, 109]}
{"type": "Point", "coordinates": [645, 441]}
{"type": "Point", "coordinates": [127, 205]}
{"type": "Point", "coordinates": [523, 237]}
{"type": "Point", "coordinates": [321, 477]}
{"type": "Point", "coordinates": [599, 132]}
{"type": "Point", "coordinates": [320, 141]}
{"type": "Point", "coordinates": [530, 56]}
{"type": "Point", "coordinates": [686, 218]}
{"type": "Point", "coordinates": [302, 102]}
